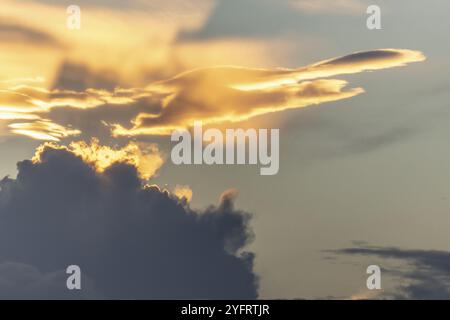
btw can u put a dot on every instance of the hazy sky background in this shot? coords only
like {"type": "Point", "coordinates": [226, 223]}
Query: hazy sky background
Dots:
{"type": "Point", "coordinates": [371, 170]}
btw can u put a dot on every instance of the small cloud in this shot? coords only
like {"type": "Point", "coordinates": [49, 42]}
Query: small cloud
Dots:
{"type": "Point", "coordinates": [426, 274]}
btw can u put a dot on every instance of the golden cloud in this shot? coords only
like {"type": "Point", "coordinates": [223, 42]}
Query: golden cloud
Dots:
{"type": "Point", "coordinates": [212, 95]}
{"type": "Point", "coordinates": [183, 192]}
{"type": "Point", "coordinates": [42, 130]}
{"type": "Point", "coordinates": [218, 94]}
{"type": "Point", "coordinates": [147, 158]}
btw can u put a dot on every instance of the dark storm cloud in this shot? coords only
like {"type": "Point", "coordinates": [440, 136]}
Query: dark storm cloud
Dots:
{"type": "Point", "coordinates": [14, 32]}
{"type": "Point", "coordinates": [428, 274]}
{"type": "Point", "coordinates": [130, 241]}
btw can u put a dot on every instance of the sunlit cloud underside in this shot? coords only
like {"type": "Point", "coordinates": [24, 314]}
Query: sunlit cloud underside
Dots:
{"type": "Point", "coordinates": [213, 95]}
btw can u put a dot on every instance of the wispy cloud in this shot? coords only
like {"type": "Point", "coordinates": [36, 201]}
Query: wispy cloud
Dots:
{"type": "Point", "coordinates": [425, 276]}
{"type": "Point", "coordinates": [220, 94]}
{"type": "Point", "coordinates": [42, 129]}
{"type": "Point", "coordinates": [212, 95]}
{"type": "Point", "coordinates": [17, 32]}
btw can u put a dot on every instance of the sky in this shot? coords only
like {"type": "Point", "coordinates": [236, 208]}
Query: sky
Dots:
{"type": "Point", "coordinates": [86, 117]}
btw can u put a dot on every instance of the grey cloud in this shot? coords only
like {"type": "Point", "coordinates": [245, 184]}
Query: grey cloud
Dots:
{"type": "Point", "coordinates": [439, 260]}
{"type": "Point", "coordinates": [428, 273]}
{"type": "Point", "coordinates": [361, 57]}
{"type": "Point", "coordinates": [131, 241]}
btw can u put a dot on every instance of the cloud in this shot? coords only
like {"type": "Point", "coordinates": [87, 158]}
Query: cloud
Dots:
{"type": "Point", "coordinates": [15, 32]}
{"type": "Point", "coordinates": [146, 158]}
{"type": "Point", "coordinates": [41, 129]}
{"type": "Point", "coordinates": [220, 94]}
{"type": "Point", "coordinates": [212, 95]}
{"type": "Point", "coordinates": [427, 275]}
{"type": "Point", "coordinates": [130, 240]}
{"type": "Point", "coordinates": [37, 105]}
{"type": "Point", "coordinates": [183, 192]}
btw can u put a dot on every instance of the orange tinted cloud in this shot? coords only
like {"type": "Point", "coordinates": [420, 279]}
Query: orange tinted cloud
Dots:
{"type": "Point", "coordinates": [146, 158]}
{"type": "Point", "coordinates": [43, 130]}
{"type": "Point", "coordinates": [212, 95]}
{"type": "Point", "coordinates": [183, 192]}
{"type": "Point", "coordinates": [229, 93]}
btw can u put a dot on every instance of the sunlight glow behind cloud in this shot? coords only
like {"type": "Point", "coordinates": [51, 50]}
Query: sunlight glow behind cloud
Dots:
{"type": "Point", "coordinates": [146, 158]}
